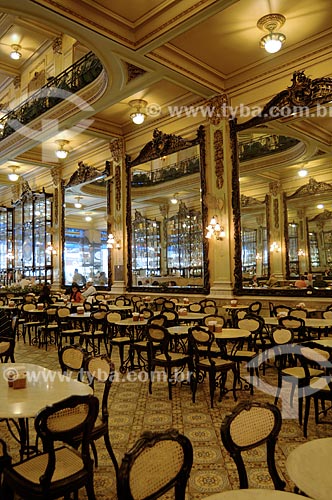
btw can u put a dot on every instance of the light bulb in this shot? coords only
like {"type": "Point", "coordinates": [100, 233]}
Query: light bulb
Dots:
{"type": "Point", "coordinates": [78, 205]}
{"type": "Point", "coordinates": [88, 218]}
{"type": "Point", "coordinates": [302, 173]}
{"type": "Point", "coordinates": [138, 118]}
{"type": "Point", "coordinates": [61, 154]}
{"type": "Point", "coordinates": [272, 46]}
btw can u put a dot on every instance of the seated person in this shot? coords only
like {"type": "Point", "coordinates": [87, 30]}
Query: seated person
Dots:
{"type": "Point", "coordinates": [75, 294]}
{"type": "Point", "coordinates": [45, 296]}
{"type": "Point", "coordinates": [272, 281]}
{"type": "Point", "coordinates": [300, 283]}
{"type": "Point", "coordinates": [89, 289]}
{"type": "Point", "coordinates": [254, 281]}
{"type": "Point", "coordinates": [78, 277]}
{"type": "Point", "coordinates": [319, 282]}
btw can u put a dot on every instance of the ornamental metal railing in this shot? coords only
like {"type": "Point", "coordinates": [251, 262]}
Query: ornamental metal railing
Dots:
{"type": "Point", "coordinates": [57, 89]}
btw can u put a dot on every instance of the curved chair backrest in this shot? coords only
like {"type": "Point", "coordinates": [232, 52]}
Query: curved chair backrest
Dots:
{"type": "Point", "coordinates": [327, 314]}
{"type": "Point", "coordinates": [172, 317]}
{"type": "Point", "coordinates": [168, 458]}
{"type": "Point", "coordinates": [168, 305]}
{"type": "Point", "coordinates": [101, 369]}
{"type": "Point", "coordinates": [195, 307]}
{"type": "Point", "coordinates": [214, 317]}
{"type": "Point", "coordinates": [158, 302]}
{"type": "Point", "coordinates": [63, 312]}
{"type": "Point", "coordinates": [121, 300]}
{"type": "Point", "coordinates": [281, 335]}
{"type": "Point", "coordinates": [252, 323]}
{"type": "Point", "coordinates": [208, 302]}
{"type": "Point", "coordinates": [281, 309]}
{"type": "Point", "coordinates": [249, 425]}
{"type": "Point", "coordinates": [158, 319]}
{"type": "Point", "coordinates": [147, 313]}
{"type": "Point", "coordinates": [7, 347]}
{"type": "Point", "coordinates": [297, 325]}
{"type": "Point", "coordinates": [71, 359]}
{"type": "Point", "coordinates": [200, 341]}
{"type": "Point", "coordinates": [113, 317]}
{"type": "Point", "coordinates": [209, 309]}
{"type": "Point", "coordinates": [298, 313]}
{"type": "Point", "coordinates": [255, 307]}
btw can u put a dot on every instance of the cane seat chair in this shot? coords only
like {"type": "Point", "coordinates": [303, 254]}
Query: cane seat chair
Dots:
{"type": "Point", "coordinates": [60, 470]}
{"type": "Point", "coordinates": [7, 348]}
{"type": "Point", "coordinates": [200, 343]}
{"type": "Point", "coordinates": [166, 456]}
{"type": "Point", "coordinates": [208, 302]}
{"type": "Point", "coordinates": [168, 305]}
{"type": "Point", "coordinates": [31, 322]}
{"type": "Point", "coordinates": [252, 424]}
{"type": "Point", "coordinates": [49, 327]}
{"type": "Point", "coordinates": [158, 319]}
{"type": "Point", "coordinates": [71, 359]}
{"type": "Point", "coordinates": [320, 390]}
{"type": "Point", "coordinates": [282, 309]}
{"type": "Point", "coordinates": [209, 309]}
{"type": "Point", "coordinates": [171, 316]}
{"type": "Point", "coordinates": [99, 370]}
{"type": "Point", "coordinates": [113, 336]}
{"type": "Point", "coordinates": [298, 313]}
{"type": "Point", "coordinates": [121, 300]}
{"type": "Point", "coordinates": [5, 461]}
{"type": "Point", "coordinates": [96, 332]}
{"type": "Point", "coordinates": [220, 320]}
{"type": "Point", "coordinates": [160, 355]}
{"type": "Point", "coordinates": [66, 325]}
{"type": "Point", "coordinates": [307, 363]}
{"type": "Point", "coordinates": [296, 325]}
{"type": "Point", "coordinates": [195, 307]}
{"type": "Point", "coordinates": [158, 303]}
{"type": "Point", "coordinates": [255, 307]}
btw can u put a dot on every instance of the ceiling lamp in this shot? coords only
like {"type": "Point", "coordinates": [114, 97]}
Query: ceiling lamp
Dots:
{"type": "Point", "coordinates": [13, 176]}
{"type": "Point", "coordinates": [15, 53]}
{"type": "Point", "coordinates": [61, 152]}
{"type": "Point", "coordinates": [174, 200]}
{"type": "Point", "coordinates": [272, 42]}
{"type": "Point", "coordinates": [302, 173]}
{"type": "Point", "coordinates": [138, 116]}
{"type": "Point", "coordinates": [88, 218]}
{"type": "Point", "coordinates": [78, 204]}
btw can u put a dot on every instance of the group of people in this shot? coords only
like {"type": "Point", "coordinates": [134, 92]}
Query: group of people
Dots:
{"type": "Point", "coordinates": [75, 294]}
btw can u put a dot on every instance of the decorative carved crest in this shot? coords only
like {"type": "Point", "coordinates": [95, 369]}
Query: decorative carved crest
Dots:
{"type": "Point", "coordinates": [249, 201]}
{"type": "Point", "coordinates": [274, 188]}
{"type": "Point", "coordinates": [84, 173]}
{"type": "Point", "coordinates": [313, 187]}
{"type": "Point", "coordinates": [163, 145]}
{"type": "Point", "coordinates": [56, 175]}
{"type": "Point", "coordinates": [303, 92]}
{"type": "Point", "coordinates": [323, 216]}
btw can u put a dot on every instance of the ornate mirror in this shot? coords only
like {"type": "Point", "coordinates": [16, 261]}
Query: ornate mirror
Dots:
{"type": "Point", "coordinates": [290, 136]}
{"type": "Point", "coordinates": [166, 214]}
{"type": "Point", "coordinates": [85, 250]}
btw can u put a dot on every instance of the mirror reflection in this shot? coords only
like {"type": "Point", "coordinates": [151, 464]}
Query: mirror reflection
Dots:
{"type": "Point", "coordinates": [166, 209]}
{"type": "Point", "coordinates": [85, 234]}
{"type": "Point", "coordinates": [283, 159]}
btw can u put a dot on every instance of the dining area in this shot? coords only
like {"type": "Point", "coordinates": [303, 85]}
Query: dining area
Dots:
{"type": "Point", "coordinates": [133, 409]}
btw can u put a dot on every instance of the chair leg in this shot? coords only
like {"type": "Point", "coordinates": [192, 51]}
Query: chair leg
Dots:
{"type": "Point", "coordinates": [306, 416]}
{"type": "Point", "coordinates": [111, 452]}
{"type": "Point", "coordinates": [212, 384]}
{"type": "Point", "coordinates": [95, 454]}
{"type": "Point", "coordinates": [169, 380]}
{"type": "Point", "coordinates": [234, 383]}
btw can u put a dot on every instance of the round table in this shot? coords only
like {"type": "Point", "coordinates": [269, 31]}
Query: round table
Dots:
{"type": "Point", "coordinates": [309, 467]}
{"type": "Point", "coordinates": [253, 494]}
{"type": "Point", "coordinates": [43, 387]}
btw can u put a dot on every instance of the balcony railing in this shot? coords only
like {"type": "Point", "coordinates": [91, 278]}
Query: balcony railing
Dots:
{"type": "Point", "coordinates": [70, 81]}
{"type": "Point", "coordinates": [265, 145]}
{"type": "Point", "coordinates": [171, 172]}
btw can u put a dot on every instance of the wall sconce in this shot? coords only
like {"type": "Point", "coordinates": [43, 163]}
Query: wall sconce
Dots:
{"type": "Point", "coordinates": [15, 53]}
{"type": "Point", "coordinates": [13, 176]}
{"type": "Point", "coordinates": [301, 252]}
{"type": "Point", "coordinates": [61, 152]}
{"type": "Point", "coordinates": [259, 256]}
{"type": "Point", "coordinates": [272, 42]}
{"type": "Point", "coordinates": [50, 249]}
{"type": "Point", "coordinates": [10, 256]}
{"type": "Point", "coordinates": [275, 247]}
{"type": "Point", "coordinates": [112, 243]}
{"type": "Point", "coordinates": [138, 115]}
{"type": "Point", "coordinates": [214, 229]}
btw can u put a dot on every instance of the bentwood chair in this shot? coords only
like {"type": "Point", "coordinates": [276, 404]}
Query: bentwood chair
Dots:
{"type": "Point", "coordinates": [5, 461]}
{"type": "Point", "coordinates": [7, 347]}
{"type": "Point", "coordinates": [59, 470]}
{"type": "Point", "coordinates": [200, 343]}
{"type": "Point", "coordinates": [160, 355]}
{"type": "Point", "coordinates": [71, 360]}
{"type": "Point", "coordinates": [100, 371]}
{"type": "Point", "coordinates": [252, 424]}
{"type": "Point", "coordinates": [66, 325]}
{"type": "Point", "coordinates": [166, 457]}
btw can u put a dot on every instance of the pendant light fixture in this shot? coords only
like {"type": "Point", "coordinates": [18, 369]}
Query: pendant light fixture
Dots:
{"type": "Point", "coordinates": [15, 53]}
{"type": "Point", "coordinates": [138, 115]}
{"type": "Point", "coordinates": [13, 176]}
{"type": "Point", "coordinates": [272, 42]}
{"type": "Point", "coordinates": [62, 152]}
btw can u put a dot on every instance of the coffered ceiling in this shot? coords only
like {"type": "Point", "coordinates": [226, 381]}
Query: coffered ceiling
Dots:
{"type": "Point", "coordinates": [188, 52]}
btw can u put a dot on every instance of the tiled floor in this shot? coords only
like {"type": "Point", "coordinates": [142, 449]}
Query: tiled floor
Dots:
{"type": "Point", "coordinates": [132, 410]}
